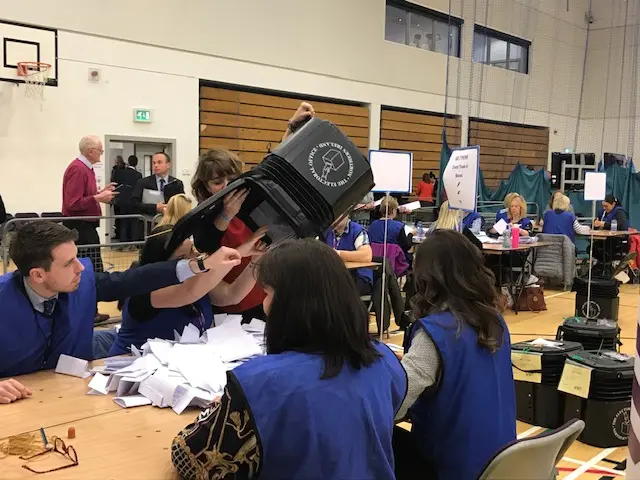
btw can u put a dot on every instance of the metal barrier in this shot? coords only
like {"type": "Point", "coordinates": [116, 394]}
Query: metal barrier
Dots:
{"type": "Point", "coordinates": [113, 257]}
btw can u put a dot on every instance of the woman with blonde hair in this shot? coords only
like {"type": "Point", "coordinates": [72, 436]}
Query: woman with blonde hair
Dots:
{"type": "Point", "coordinates": [448, 219]}
{"type": "Point", "coordinates": [515, 214]}
{"type": "Point", "coordinates": [177, 207]}
{"type": "Point", "coordinates": [561, 221]}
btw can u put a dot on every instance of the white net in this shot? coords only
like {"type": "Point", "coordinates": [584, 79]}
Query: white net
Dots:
{"type": "Point", "coordinates": [35, 78]}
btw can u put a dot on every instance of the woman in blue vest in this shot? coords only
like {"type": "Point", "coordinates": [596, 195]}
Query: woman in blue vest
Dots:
{"type": "Point", "coordinates": [159, 313]}
{"type": "Point", "coordinates": [611, 210]}
{"type": "Point", "coordinates": [396, 234]}
{"type": "Point", "coordinates": [560, 220]}
{"type": "Point", "coordinates": [515, 214]}
{"type": "Point", "coordinates": [461, 396]}
{"type": "Point", "coordinates": [321, 403]}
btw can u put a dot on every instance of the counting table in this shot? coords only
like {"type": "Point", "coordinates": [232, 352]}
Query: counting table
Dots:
{"type": "Point", "coordinates": [111, 442]}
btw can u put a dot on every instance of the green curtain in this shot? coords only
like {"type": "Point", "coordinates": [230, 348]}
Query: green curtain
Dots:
{"type": "Point", "coordinates": [445, 153]}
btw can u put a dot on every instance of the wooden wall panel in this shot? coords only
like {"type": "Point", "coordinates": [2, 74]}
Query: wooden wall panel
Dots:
{"type": "Point", "coordinates": [420, 133]}
{"type": "Point", "coordinates": [503, 146]}
{"type": "Point", "coordinates": [250, 123]}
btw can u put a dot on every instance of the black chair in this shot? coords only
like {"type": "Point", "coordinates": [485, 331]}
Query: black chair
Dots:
{"type": "Point", "coordinates": [51, 215]}
{"type": "Point", "coordinates": [24, 217]}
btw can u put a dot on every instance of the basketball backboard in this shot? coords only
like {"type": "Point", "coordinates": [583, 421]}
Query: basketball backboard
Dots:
{"type": "Point", "coordinates": [27, 43]}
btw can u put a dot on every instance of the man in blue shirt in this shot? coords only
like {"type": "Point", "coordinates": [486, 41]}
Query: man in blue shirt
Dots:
{"type": "Point", "coordinates": [48, 305]}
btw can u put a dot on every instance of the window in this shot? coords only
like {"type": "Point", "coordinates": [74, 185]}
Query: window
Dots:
{"type": "Point", "coordinates": [500, 50]}
{"type": "Point", "coordinates": [419, 27]}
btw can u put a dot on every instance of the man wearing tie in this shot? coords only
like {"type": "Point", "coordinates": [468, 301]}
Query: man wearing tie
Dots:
{"type": "Point", "coordinates": [161, 163]}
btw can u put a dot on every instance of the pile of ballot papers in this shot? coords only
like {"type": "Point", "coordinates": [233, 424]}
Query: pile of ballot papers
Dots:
{"type": "Point", "coordinates": [190, 370]}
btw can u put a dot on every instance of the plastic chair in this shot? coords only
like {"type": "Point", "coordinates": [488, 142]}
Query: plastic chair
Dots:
{"type": "Point", "coordinates": [51, 215]}
{"type": "Point", "coordinates": [534, 457]}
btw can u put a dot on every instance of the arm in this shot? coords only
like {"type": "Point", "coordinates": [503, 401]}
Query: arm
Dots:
{"type": "Point", "coordinates": [621, 218]}
{"type": "Point", "coordinates": [136, 200]}
{"type": "Point", "coordinates": [73, 192]}
{"type": "Point", "coordinates": [422, 364]}
{"type": "Point", "coordinates": [361, 255]}
{"type": "Point", "coordinates": [304, 113]}
{"type": "Point", "coordinates": [580, 229]}
{"type": "Point", "coordinates": [403, 241]}
{"type": "Point", "coordinates": [11, 390]}
{"type": "Point", "coordinates": [215, 444]}
{"type": "Point", "coordinates": [225, 294]}
{"type": "Point", "coordinates": [135, 281]}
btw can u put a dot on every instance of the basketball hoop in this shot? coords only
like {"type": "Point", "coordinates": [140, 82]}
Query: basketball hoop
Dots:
{"type": "Point", "coordinates": [35, 78]}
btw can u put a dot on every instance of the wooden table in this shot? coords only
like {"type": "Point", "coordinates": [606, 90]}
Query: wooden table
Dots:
{"type": "Point", "coordinates": [112, 443]}
{"type": "Point", "coordinates": [355, 265]}
{"type": "Point", "coordinates": [498, 249]}
{"type": "Point", "coordinates": [603, 234]}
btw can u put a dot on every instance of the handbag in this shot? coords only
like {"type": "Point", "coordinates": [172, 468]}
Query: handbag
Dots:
{"type": "Point", "coordinates": [532, 299]}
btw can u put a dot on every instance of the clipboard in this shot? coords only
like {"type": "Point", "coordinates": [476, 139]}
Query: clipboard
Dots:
{"type": "Point", "coordinates": [152, 196]}
{"type": "Point", "coordinates": [172, 188]}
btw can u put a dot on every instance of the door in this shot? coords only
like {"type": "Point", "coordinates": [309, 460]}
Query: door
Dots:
{"type": "Point", "coordinates": [144, 152]}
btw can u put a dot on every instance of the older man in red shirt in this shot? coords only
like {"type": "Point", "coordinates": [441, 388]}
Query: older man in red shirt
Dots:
{"type": "Point", "coordinates": [81, 198]}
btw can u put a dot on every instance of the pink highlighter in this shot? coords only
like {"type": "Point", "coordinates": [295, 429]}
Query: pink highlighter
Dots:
{"type": "Point", "coordinates": [515, 236]}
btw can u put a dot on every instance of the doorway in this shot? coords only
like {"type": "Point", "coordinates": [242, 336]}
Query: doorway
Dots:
{"type": "Point", "coordinates": [143, 148]}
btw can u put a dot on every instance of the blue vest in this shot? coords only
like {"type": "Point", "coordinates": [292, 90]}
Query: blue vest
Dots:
{"type": "Point", "coordinates": [134, 332]}
{"type": "Point", "coordinates": [467, 221]}
{"type": "Point", "coordinates": [29, 340]}
{"type": "Point", "coordinates": [347, 243]}
{"type": "Point", "coordinates": [502, 215]}
{"type": "Point", "coordinates": [559, 223]}
{"type": "Point", "coordinates": [376, 231]}
{"type": "Point", "coordinates": [472, 414]}
{"type": "Point", "coordinates": [336, 428]}
{"type": "Point", "coordinates": [611, 216]}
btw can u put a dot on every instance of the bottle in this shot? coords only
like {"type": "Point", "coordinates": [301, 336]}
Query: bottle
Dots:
{"type": "Point", "coordinates": [515, 236]}
{"type": "Point", "coordinates": [506, 237]}
{"type": "Point", "coordinates": [614, 225]}
{"type": "Point", "coordinates": [419, 229]}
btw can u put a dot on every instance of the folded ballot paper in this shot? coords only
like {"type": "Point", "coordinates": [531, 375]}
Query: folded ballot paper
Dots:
{"type": "Point", "coordinates": [189, 371]}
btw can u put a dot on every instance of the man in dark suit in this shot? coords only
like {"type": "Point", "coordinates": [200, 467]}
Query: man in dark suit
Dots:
{"type": "Point", "coordinates": [126, 180]}
{"type": "Point", "coordinates": [161, 163]}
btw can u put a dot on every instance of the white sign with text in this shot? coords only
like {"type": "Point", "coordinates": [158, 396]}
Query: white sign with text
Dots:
{"type": "Point", "coordinates": [460, 178]}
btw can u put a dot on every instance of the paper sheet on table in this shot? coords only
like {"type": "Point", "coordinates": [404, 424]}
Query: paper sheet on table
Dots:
{"type": "Point", "coordinates": [159, 388]}
{"type": "Point", "coordinates": [500, 226]}
{"type": "Point", "coordinates": [161, 349]}
{"type": "Point", "coordinates": [231, 342]}
{"type": "Point", "coordinates": [76, 367]}
{"type": "Point", "coordinates": [99, 383]}
{"type": "Point", "coordinates": [152, 196]}
{"type": "Point", "coordinates": [255, 326]}
{"type": "Point", "coordinates": [200, 365]}
{"type": "Point", "coordinates": [411, 206]}
{"type": "Point", "coordinates": [190, 334]}
{"type": "Point", "coordinates": [236, 320]}
{"type": "Point", "coordinates": [132, 401]}
{"type": "Point", "coordinates": [185, 396]}
{"type": "Point", "coordinates": [408, 230]}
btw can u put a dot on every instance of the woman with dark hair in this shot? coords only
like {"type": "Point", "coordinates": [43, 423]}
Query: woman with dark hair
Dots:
{"type": "Point", "coordinates": [216, 169]}
{"type": "Point", "coordinates": [611, 211]}
{"type": "Point", "coordinates": [320, 404]}
{"type": "Point", "coordinates": [424, 190]}
{"type": "Point", "coordinates": [158, 314]}
{"type": "Point", "coordinates": [461, 396]}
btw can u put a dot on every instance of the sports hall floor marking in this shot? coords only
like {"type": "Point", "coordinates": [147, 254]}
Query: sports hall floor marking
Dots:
{"type": "Point", "coordinates": [558, 294]}
{"type": "Point", "coordinates": [619, 473]}
{"type": "Point", "coordinates": [529, 432]}
{"type": "Point", "coordinates": [590, 463]}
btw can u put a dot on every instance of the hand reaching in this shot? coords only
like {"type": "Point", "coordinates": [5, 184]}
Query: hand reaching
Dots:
{"type": "Point", "coordinates": [254, 246]}
{"type": "Point", "coordinates": [304, 112]}
{"type": "Point", "coordinates": [105, 195]}
{"type": "Point", "coordinates": [223, 257]}
{"type": "Point", "coordinates": [233, 202]}
{"type": "Point", "coordinates": [12, 390]}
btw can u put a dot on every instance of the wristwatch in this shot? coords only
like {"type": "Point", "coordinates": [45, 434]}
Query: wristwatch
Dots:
{"type": "Point", "coordinates": [200, 262]}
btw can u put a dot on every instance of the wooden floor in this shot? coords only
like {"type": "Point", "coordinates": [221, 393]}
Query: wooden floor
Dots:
{"type": "Point", "coordinates": [581, 461]}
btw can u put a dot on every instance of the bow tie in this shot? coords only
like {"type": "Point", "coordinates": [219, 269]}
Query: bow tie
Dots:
{"type": "Point", "coordinates": [49, 306]}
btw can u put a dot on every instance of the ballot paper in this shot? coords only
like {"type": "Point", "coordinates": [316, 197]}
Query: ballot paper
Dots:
{"type": "Point", "coordinates": [255, 326]}
{"type": "Point", "coordinates": [411, 206]}
{"type": "Point", "coordinates": [75, 367]}
{"type": "Point", "coordinates": [99, 383]}
{"type": "Point", "coordinates": [191, 334]}
{"type": "Point", "coordinates": [500, 226]}
{"type": "Point", "coordinates": [132, 401]}
{"type": "Point", "coordinates": [185, 396]}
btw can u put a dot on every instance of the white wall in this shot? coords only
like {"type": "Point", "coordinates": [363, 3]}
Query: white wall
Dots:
{"type": "Point", "coordinates": [155, 54]}
{"type": "Point", "coordinates": [609, 119]}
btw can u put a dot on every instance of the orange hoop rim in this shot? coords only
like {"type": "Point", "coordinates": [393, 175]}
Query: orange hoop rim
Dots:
{"type": "Point", "coordinates": [29, 68]}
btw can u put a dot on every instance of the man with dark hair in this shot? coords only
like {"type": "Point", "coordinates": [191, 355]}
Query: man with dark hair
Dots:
{"type": "Point", "coordinates": [48, 305]}
{"type": "Point", "coordinates": [161, 164]}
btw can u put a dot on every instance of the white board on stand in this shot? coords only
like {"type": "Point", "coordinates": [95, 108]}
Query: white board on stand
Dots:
{"type": "Point", "coordinates": [392, 171]}
{"type": "Point", "coordinates": [460, 178]}
{"type": "Point", "coordinates": [595, 185]}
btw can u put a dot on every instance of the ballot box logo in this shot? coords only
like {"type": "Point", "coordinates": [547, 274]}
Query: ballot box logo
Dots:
{"type": "Point", "coordinates": [621, 423]}
{"type": "Point", "coordinates": [331, 164]}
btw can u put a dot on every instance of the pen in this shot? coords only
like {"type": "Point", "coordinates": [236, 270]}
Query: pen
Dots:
{"type": "Point", "coordinates": [44, 437]}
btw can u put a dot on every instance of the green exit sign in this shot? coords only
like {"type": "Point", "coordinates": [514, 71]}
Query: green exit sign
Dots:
{"type": "Point", "coordinates": [142, 115]}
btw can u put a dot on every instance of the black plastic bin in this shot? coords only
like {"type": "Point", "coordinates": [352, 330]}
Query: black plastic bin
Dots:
{"type": "Point", "coordinates": [592, 334]}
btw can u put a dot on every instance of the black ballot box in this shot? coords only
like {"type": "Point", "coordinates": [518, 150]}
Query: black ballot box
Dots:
{"type": "Point", "coordinates": [600, 334]}
{"type": "Point", "coordinates": [604, 301]}
{"type": "Point", "coordinates": [313, 178]}
{"type": "Point", "coordinates": [541, 403]}
{"type": "Point", "coordinates": [607, 410]}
